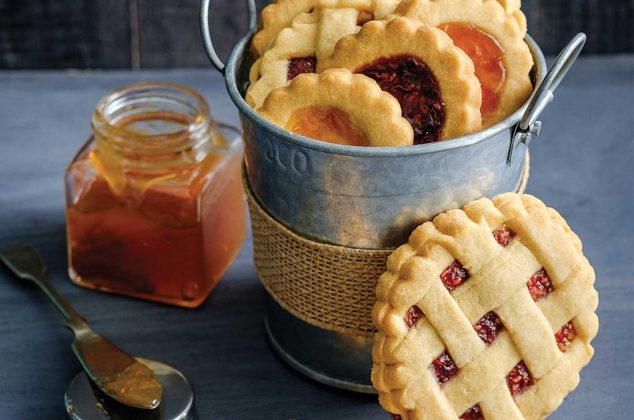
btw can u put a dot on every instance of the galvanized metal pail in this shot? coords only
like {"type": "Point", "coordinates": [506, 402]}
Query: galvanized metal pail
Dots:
{"type": "Point", "coordinates": [369, 198]}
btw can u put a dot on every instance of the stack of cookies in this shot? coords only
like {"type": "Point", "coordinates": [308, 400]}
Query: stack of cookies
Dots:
{"type": "Point", "coordinates": [389, 72]}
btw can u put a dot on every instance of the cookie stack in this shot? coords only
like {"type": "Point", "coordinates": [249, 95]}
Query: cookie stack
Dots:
{"type": "Point", "coordinates": [389, 73]}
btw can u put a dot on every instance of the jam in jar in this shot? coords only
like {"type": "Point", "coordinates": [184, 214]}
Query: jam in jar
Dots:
{"type": "Point", "coordinates": [155, 206]}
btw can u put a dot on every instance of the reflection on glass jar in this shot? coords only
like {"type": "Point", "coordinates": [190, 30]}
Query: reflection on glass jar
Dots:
{"type": "Point", "coordinates": [155, 206]}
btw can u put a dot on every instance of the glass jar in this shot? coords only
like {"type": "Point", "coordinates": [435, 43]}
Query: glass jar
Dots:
{"type": "Point", "coordinates": [154, 201]}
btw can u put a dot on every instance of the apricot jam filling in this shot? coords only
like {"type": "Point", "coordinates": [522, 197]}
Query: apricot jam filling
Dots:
{"type": "Point", "coordinates": [413, 84]}
{"type": "Point", "coordinates": [487, 55]}
{"type": "Point", "coordinates": [327, 124]}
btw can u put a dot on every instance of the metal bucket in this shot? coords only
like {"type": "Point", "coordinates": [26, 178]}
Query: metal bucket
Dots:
{"type": "Point", "coordinates": [370, 198]}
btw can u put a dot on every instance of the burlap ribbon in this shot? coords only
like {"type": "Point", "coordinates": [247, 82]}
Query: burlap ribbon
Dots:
{"type": "Point", "coordinates": [328, 286]}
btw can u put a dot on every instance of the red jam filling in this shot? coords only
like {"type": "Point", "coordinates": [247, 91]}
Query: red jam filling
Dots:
{"type": "Point", "coordinates": [539, 285]}
{"type": "Point", "coordinates": [487, 55]}
{"type": "Point", "coordinates": [519, 379]}
{"type": "Point", "coordinates": [395, 416]}
{"type": "Point", "coordinates": [415, 87]}
{"type": "Point", "coordinates": [564, 336]}
{"type": "Point", "coordinates": [503, 235]}
{"type": "Point", "coordinates": [488, 327]}
{"type": "Point", "coordinates": [299, 65]}
{"type": "Point", "coordinates": [444, 368]}
{"type": "Point", "coordinates": [364, 17]}
{"type": "Point", "coordinates": [454, 275]}
{"type": "Point", "coordinates": [413, 315]}
{"type": "Point", "coordinates": [474, 413]}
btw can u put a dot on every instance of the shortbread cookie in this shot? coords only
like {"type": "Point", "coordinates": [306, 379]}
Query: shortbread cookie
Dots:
{"type": "Point", "coordinates": [280, 14]}
{"type": "Point", "coordinates": [433, 80]}
{"type": "Point", "coordinates": [486, 313]}
{"type": "Point", "coordinates": [297, 49]}
{"type": "Point", "coordinates": [337, 106]}
{"type": "Point", "coordinates": [513, 8]}
{"type": "Point", "coordinates": [492, 39]}
{"type": "Point", "coordinates": [292, 54]}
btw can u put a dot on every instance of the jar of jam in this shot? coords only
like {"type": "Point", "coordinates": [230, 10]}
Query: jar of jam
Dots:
{"type": "Point", "coordinates": [154, 202]}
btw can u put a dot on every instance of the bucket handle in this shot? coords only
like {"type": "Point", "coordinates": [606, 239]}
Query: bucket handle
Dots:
{"type": "Point", "coordinates": [529, 126]}
{"type": "Point", "coordinates": [205, 31]}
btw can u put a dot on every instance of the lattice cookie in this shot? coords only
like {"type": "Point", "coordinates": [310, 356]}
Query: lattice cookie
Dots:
{"type": "Point", "coordinates": [487, 312]}
{"type": "Point", "coordinates": [493, 40]}
{"type": "Point", "coordinates": [433, 80]}
{"type": "Point", "coordinates": [337, 106]}
{"type": "Point", "coordinates": [280, 14]}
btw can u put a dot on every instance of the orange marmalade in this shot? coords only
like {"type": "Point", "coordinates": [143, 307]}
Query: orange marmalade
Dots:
{"type": "Point", "coordinates": [487, 56]}
{"type": "Point", "coordinates": [155, 207]}
{"type": "Point", "coordinates": [327, 124]}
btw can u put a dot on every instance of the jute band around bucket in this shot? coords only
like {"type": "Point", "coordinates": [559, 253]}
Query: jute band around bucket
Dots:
{"type": "Point", "coordinates": [327, 286]}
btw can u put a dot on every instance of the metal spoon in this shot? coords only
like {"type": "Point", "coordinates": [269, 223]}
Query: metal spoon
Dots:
{"type": "Point", "coordinates": [116, 373]}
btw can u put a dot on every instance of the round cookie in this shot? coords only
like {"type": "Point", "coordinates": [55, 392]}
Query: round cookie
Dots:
{"type": "Point", "coordinates": [486, 313]}
{"type": "Point", "coordinates": [512, 8]}
{"type": "Point", "coordinates": [339, 107]}
{"type": "Point", "coordinates": [492, 39]}
{"type": "Point", "coordinates": [292, 53]}
{"type": "Point", "coordinates": [297, 49]}
{"type": "Point", "coordinates": [280, 14]}
{"type": "Point", "coordinates": [433, 80]}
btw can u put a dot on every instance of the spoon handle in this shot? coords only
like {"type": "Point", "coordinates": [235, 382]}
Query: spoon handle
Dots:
{"type": "Point", "coordinates": [73, 320]}
{"type": "Point", "coordinates": [27, 263]}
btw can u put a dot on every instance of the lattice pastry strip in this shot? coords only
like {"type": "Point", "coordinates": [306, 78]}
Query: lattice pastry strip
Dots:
{"type": "Point", "coordinates": [487, 312]}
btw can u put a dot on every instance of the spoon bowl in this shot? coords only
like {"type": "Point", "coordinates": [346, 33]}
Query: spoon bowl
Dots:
{"type": "Point", "coordinates": [113, 371]}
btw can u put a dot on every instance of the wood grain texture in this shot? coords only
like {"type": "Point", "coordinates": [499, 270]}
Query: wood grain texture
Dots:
{"type": "Point", "coordinates": [64, 34]}
{"type": "Point", "coordinates": [607, 23]}
{"type": "Point", "coordinates": [581, 165]}
{"type": "Point", "coordinates": [165, 33]}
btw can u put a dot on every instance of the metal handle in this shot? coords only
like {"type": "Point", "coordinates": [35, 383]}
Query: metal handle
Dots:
{"type": "Point", "coordinates": [543, 94]}
{"type": "Point", "coordinates": [205, 31]}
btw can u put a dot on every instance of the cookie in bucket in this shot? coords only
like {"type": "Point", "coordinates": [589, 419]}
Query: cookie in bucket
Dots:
{"type": "Point", "coordinates": [339, 107]}
{"type": "Point", "coordinates": [493, 40]}
{"type": "Point", "coordinates": [433, 80]}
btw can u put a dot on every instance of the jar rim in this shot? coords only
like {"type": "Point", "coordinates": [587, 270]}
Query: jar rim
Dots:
{"type": "Point", "coordinates": [166, 91]}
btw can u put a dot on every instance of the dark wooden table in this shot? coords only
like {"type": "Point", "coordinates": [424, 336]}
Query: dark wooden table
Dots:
{"type": "Point", "coordinates": [581, 165]}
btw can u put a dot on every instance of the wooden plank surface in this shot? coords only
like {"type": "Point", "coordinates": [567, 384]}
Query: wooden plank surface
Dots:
{"type": "Point", "coordinates": [581, 165]}
{"type": "Point", "coordinates": [165, 33]}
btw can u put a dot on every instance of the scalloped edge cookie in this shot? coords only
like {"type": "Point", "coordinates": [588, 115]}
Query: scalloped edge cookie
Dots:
{"type": "Point", "coordinates": [271, 70]}
{"type": "Point", "coordinates": [401, 354]}
{"type": "Point", "coordinates": [280, 14]}
{"type": "Point", "coordinates": [357, 95]}
{"type": "Point", "coordinates": [488, 16]}
{"type": "Point", "coordinates": [452, 68]}
{"type": "Point", "coordinates": [513, 8]}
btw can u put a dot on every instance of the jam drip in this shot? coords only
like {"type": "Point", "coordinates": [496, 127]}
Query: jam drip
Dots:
{"type": "Point", "coordinates": [444, 368]}
{"type": "Point", "coordinates": [487, 56]}
{"type": "Point", "coordinates": [474, 413]}
{"type": "Point", "coordinates": [299, 65]}
{"type": "Point", "coordinates": [519, 379]}
{"type": "Point", "coordinates": [503, 235]}
{"type": "Point", "coordinates": [564, 336]}
{"type": "Point", "coordinates": [395, 416]}
{"type": "Point", "coordinates": [413, 315]}
{"type": "Point", "coordinates": [415, 87]}
{"type": "Point", "coordinates": [540, 285]}
{"type": "Point", "coordinates": [488, 327]}
{"type": "Point", "coordinates": [454, 275]}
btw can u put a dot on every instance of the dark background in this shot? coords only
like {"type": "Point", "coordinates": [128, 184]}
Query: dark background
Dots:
{"type": "Point", "coordinates": [164, 33]}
